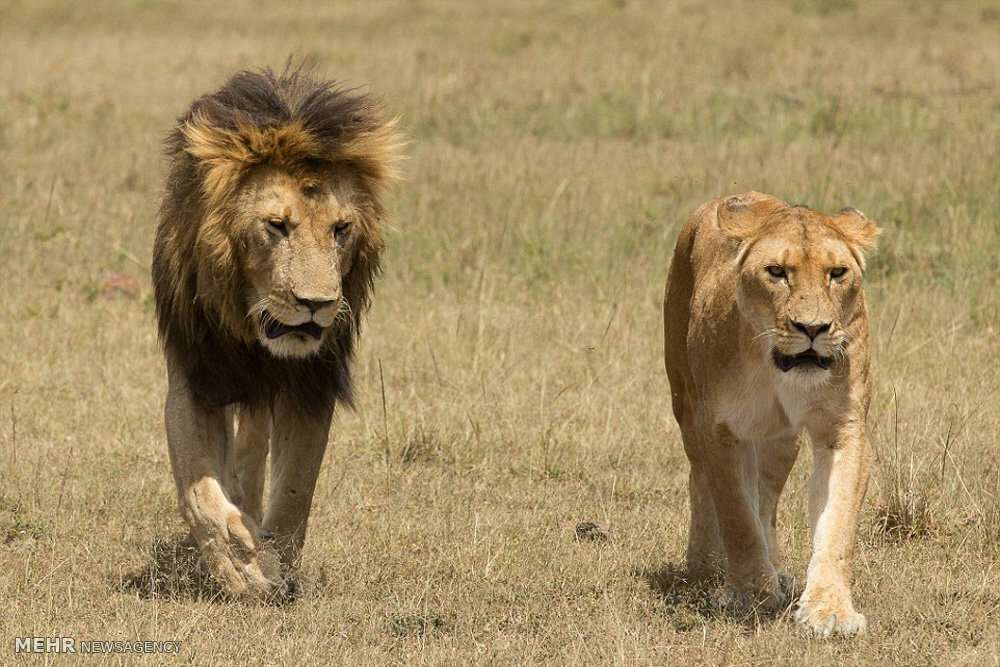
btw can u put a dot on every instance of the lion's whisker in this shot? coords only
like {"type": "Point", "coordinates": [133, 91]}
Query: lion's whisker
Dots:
{"type": "Point", "coordinates": [345, 314]}
{"type": "Point", "coordinates": [257, 309]}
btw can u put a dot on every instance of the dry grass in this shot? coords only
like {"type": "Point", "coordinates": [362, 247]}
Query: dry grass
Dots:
{"type": "Point", "coordinates": [556, 149]}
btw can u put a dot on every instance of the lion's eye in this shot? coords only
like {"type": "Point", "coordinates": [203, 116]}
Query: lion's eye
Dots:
{"type": "Point", "coordinates": [341, 229]}
{"type": "Point", "coordinates": [838, 272]}
{"type": "Point", "coordinates": [278, 225]}
{"type": "Point", "coordinates": [776, 271]}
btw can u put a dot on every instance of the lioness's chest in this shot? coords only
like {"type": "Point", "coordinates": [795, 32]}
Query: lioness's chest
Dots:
{"type": "Point", "coordinates": [755, 409]}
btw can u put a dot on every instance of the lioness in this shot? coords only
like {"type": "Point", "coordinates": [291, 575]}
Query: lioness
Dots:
{"type": "Point", "coordinates": [267, 245]}
{"type": "Point", "coordinates": [766, 334]}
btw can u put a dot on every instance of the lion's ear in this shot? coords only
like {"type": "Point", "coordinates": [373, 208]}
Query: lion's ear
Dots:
{"type": "Point", "coordinates": [860, 231]}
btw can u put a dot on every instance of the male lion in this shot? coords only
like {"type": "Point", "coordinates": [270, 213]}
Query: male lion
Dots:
{"type": "Point", "coordinates": [267, 246]}
{"type": "Point", "coordinates": [766, 333]}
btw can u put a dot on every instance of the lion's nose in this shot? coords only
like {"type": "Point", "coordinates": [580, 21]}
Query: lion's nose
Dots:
{"type": "Point", "coordinates": [314, 303]}
{"type": "Point", "coordinates": [811, 330]}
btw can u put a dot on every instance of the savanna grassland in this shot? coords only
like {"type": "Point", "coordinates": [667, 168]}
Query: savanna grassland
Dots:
{"type": "Point", "coordinates": [510, 382]}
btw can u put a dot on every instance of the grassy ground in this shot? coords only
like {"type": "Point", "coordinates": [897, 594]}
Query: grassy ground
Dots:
{"type": "Point", "coordinates": [557, 147]}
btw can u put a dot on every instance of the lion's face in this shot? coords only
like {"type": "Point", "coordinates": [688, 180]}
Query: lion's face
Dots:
{"type": "Point", "coordinates": [300, 244]}
{"type": "Point", "coordinates": [798, 287]}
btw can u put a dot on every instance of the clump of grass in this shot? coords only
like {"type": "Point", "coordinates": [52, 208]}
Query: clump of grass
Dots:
{"type": "Point", "coordinates": [830, 118]}
{"type": "Point", "coordinates": [905, 514]}
{"type": "Point", "coordinates": [16, 524]}
{"type": "Point", "coordinates": [420, 445]}
{"type": "Point", "coordinates": [688, 597]}
{"type": "Point", "coordinates": [991, 522]}
{"type": "Point", "coordinates": [20, 527]}
{"type": "Point", "coordinates": [8, 504]}
{"type": "Point", "coordinates": [826, 7]}
{"type": "Point", "coordinates": [905, 511]}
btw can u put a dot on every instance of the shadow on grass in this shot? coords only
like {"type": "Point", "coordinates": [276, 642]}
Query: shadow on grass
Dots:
{"type": "Point", "coordinates": [173, 571]}
{"type": "Point", "coordinates": [691, 599]}
{"type": "Point", "coordinates": [687, 597]}
{"type": "Point", "coordinates": [421, 625]}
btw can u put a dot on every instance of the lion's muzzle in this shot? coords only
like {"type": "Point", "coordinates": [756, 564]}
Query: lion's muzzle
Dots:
{"type": "Point", "coordinates": [275, 329]}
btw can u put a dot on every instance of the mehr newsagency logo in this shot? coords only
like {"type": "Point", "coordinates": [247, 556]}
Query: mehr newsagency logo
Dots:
{"type": "Point", "coordinates": [74, 645]}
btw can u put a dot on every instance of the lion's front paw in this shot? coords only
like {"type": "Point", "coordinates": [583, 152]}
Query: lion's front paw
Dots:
{"type": "Point", "coordinates": [824, 619]}
{"type": "Point", "coordinates": [243, 563]}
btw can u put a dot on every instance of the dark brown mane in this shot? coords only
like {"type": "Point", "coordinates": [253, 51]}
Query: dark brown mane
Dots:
{"type": "Point", "coordinates": [310, 129]}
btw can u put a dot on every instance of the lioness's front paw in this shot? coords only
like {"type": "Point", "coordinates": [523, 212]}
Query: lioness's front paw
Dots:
{"type": "Point", "coordinates": [823, 619]}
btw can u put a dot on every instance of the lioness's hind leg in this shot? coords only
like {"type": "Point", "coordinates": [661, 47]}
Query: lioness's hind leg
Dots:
{"type": "Point", "coordinates": [752, 583]}
{"type": "Point", "coordinates": [229, 540]}
{"type": "Point", "coordinates": [298, 443]}
{"type": "Point", "coordinates": [775, 461]}
{"type": "Point", "coordinates": [246, 460]}
{"type": "Point", "coordinates": [705, 553]}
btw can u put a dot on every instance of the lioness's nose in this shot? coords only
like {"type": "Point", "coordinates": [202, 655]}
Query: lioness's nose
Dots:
{"type": "Point", "coordinates": [811, 330]}
{"type": "Point", "coordinates": [313, 303]}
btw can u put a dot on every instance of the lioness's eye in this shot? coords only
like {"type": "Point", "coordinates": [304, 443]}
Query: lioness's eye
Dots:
{"type": "Point", "coordinates": [838, 272]}
{"type": "Point", "coordinates": [776, 271]}
{"type": "Point", "coordinates": [278, 225]}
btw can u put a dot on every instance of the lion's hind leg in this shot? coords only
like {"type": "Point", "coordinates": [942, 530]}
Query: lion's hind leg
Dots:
{"type": "Point", "coordinates": [246, 460]}
{"type": "Point", "coordinates": [298, 443]}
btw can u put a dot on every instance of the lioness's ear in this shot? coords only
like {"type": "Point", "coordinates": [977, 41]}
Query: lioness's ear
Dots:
{"type": "Point", "coordinates": [859, 230]}
{"type": "Point", "coordinates": [740, 216]}
{"type": "Point", "coordinates": [735, 218]}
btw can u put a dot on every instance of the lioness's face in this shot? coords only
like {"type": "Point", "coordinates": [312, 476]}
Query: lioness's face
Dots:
{"type": "Point", "coordinates": [300, 243]}
{"type": "Point", "coordinates": [798, 287]}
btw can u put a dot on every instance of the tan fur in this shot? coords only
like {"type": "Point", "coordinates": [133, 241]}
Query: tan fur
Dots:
{"type": "Point", "coordinates": [725, 315]}
{"type": "Point", "coordinates": [270, 225]}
